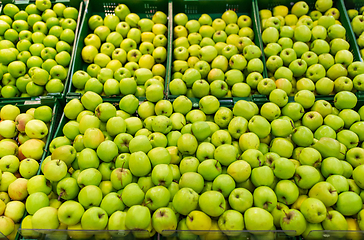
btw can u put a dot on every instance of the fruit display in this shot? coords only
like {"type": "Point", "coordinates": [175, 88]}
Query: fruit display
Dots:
{"type": "Point", "coordinates": [356, 18]}
{"type": "Point", "coordinates": [217, 54]}
{"type": "Point", "coordinates": [25, 133]}
{"type": "Point", "coordinates": [168, 166]}
{"type": "Point", "coordinates": [310, 47]}
{"type": "Point", "coordinates": [182, 120]}
{"type": "Point", "coordinates": [117, 54]}
{"type": "Point", "coordinates": [36, 48]}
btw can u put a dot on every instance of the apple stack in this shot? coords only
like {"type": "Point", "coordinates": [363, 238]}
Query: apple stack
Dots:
{"type": "Point", "coordinates": [215, 56]}
{"type": "Point", "coordinates": [166, 166]}
{"type": "Point", "coordinates": [310, 50]}
{"type": "Point", "coordinates": [357, 26]}
{"type": "Point", "coordinates": [125, 54]}
{"type": "Point", "coordinates": [24, 136]}
{"type": "Point", "coordinates": [36, 47]}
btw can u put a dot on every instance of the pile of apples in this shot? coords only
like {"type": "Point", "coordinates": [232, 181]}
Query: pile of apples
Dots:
{"type": "Point", "coordinates": [216, 57]}
{"type": "Point", "coordinates": [35, 48]}
{"type": "Point", "coordinates": [358, 26]}
{"type": "Point", "coordinates": [23, 137]}
{"type": "Point", "coordinates": [166, 166]}
{"type": "Point", "coordinates": [123, 52]}
{"type": "Point", "coordinates": [308, 50]}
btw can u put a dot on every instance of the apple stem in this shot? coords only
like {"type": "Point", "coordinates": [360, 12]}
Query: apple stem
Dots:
{"type": "Point", "coordinates": [60, 195]}
{"type": "Point", "coordinates": [285, 213]}
{"type": "Point", "coordinates": [292, 124]}
{"type": "Point", "coordinates": [146, 203]}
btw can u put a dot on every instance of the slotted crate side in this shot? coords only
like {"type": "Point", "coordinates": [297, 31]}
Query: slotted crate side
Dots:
{"type": "Point", "coordinates": [145, 9]}
{"type": "Point", "coordinates": [214, 8]}
{"type": "Point", "coordinates": [353, 4]}
{"type": "Point", "coordinates": [79, 5]}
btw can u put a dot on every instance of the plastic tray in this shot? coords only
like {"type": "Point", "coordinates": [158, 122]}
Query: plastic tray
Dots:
{"type": "Point", "coordinates": [215, 8]}
{"type": "Point", "coordinates": [145, 9]}
{"type": "Point", "coordinates": [24, 105]}
{"type": "Point", "coordinates": [79, 4]}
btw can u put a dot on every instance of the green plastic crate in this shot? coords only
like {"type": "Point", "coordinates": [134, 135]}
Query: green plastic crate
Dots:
{"type": "Point", "coordinates": [24, 105]}
{"type": "Point", "coordinates": [145, 9]}
{"type": "Point", "coordinates": [344, 19]}
{"type": "Point", "coordinates": [215, 8]}
{"type": "Point", "coordinates": [63, 234]}
{"type": "Point", "coordinates": [353, 4]}
{"type": "Point", "coordinates": [79, 5]}
{"type": "Point", "coordinates": [50, 101]}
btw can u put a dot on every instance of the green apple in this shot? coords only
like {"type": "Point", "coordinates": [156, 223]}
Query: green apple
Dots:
{"type": "Point", "coordinates": [252, 215]}
{"type": "Point", "coordinates": [70, 212]}
{"type": "Point", "coordinates": [45, 218]}
{"type": "Point", "coordinates": [293, 220]}
{"type": "Point", "coordinates": [164, 219]}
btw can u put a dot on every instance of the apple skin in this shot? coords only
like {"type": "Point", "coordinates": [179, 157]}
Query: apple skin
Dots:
{"type": "Point", "coordinates": [313, 210]}
{"type": "Point", "coordinates": [347, 199]}
{"type": "Point", "coordinates": [94, 218]}
{"type": "Point", "coordinates": [325, 192]}
{"type": "Point", "coordinates": [45, 218]}
{"type": "Point", "coordinates": [264, 197]}
{"type": "Point", "coordinates": [293, 220]}
{"type": "Point", "coordinates": [183, 196]}
{"type": "Point", "coordinates": [252, 215]}
{"type": "Point", "coordinates": [164, 219]}
{"type": "Point", "coordinates": [212, 203]}
{"type": "Point", "coordinates": [197, 221]}
{"type": "Point", "coordinates": [70, 212]}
